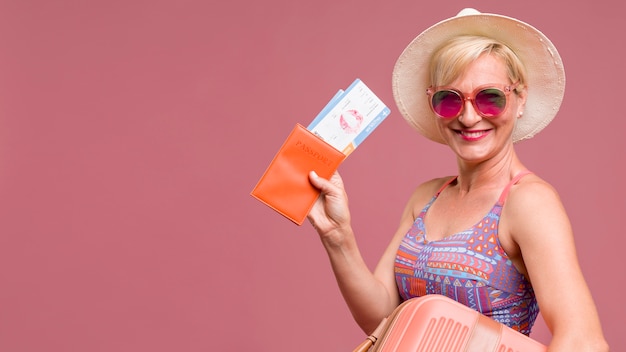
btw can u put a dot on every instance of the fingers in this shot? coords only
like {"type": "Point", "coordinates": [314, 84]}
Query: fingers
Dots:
{"type": "Point", "coordinates": [332, 191]}
{"type": "Point", "coordinates": [315, 179]}
{"type": "Point", "coordinates": [330, 211]}
{"type": "Point", "coordinates": [323, 184]}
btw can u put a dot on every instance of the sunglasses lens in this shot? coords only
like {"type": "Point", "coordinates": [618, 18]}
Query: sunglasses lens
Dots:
{"type": "Point", "coordinates": [446, 103]}
{"type": "Point", "coordinates": [490, 102]}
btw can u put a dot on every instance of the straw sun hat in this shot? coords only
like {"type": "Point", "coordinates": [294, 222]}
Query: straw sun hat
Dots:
{"type": "Point", "coordinates": [545, 73]}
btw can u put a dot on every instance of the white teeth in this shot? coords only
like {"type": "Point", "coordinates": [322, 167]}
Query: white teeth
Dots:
{"type": "Point", "coordinates": [472, 134]}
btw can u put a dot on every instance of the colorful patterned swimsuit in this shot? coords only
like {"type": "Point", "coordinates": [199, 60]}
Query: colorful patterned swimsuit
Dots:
{"type": "Point", "coordinates": [470, 267]}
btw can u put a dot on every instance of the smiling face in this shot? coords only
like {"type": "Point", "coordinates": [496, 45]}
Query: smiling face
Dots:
{"type": "Point", "coordinates": [464, 64]}
{"type": "Point", "coordinates": [472, 137]}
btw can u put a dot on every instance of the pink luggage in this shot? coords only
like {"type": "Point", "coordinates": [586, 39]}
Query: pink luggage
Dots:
{"type": "Point", "coordinates": [435, 323]}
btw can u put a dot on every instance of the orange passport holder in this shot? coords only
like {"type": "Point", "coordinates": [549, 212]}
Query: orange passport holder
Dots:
{"type": "Point", "coordinates": [285, 185]}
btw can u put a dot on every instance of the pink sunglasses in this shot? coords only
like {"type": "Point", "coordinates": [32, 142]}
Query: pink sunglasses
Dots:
{"type": "Point", "coordinates": [489, 100]}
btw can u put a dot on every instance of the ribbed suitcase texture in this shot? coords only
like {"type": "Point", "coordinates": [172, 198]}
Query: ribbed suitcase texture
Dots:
{"type": "Point", "coordinates": [435, 323]}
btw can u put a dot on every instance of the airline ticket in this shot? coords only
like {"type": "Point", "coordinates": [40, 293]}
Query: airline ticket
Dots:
{"type": "Point", "coordinates": [349, 117]}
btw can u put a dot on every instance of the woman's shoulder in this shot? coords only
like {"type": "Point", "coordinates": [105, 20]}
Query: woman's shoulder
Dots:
{"type": "Point", "coordinates": [420, 196]}
{"type": "Point", "coordinates": [425, 191]}
{"type": "Point", "coordinates": [533, 198]}
{"type": "Point", "coordinates": [532, 189]}
{"type": "Point", "coordinates": [431, 187]}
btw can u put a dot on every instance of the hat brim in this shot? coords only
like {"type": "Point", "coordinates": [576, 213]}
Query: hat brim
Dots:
{"type": "Point", "coordinates": [545, 72]}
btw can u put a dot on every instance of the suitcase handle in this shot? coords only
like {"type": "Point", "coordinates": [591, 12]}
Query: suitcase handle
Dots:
{"type": "Point", "coordinates": [371, 340]}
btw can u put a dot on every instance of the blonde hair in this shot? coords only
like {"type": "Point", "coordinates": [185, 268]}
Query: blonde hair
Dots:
{"type": "Point", "coordinates": [450, 60]}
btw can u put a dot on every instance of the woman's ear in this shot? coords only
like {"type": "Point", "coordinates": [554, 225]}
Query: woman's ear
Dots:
{"type": "Point", "coordinates": [521, 102]}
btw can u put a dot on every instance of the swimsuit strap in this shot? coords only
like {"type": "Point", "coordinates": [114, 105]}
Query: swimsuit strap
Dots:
{"type": "Point", "coordinates": [445, 185]}
{"type": "Point", "coordinates": [505, 191]}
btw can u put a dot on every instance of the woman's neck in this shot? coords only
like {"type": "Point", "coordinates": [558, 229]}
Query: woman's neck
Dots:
{"type": "Point", "coordinates": [492, 173]}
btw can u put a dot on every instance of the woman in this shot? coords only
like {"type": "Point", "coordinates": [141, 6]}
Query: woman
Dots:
{"type": "Point", "coordinates": [478, 83]}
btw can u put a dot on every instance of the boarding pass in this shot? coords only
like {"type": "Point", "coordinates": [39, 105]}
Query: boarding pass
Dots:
{"type": "Point", "coordinates": [349, 117]}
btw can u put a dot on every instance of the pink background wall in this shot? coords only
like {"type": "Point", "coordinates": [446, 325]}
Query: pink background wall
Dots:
{"type": "Point", "coordinates": [131, 133]}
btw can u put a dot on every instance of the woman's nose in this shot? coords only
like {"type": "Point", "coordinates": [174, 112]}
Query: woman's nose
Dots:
{"type": "Point", "coordinates": [469, 116]}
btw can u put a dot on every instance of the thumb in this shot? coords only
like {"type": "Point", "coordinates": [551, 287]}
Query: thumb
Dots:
{"type": "Point", "coordinates": [334, 185]}
{"type": "Point", "coordinates": [316, 180]}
